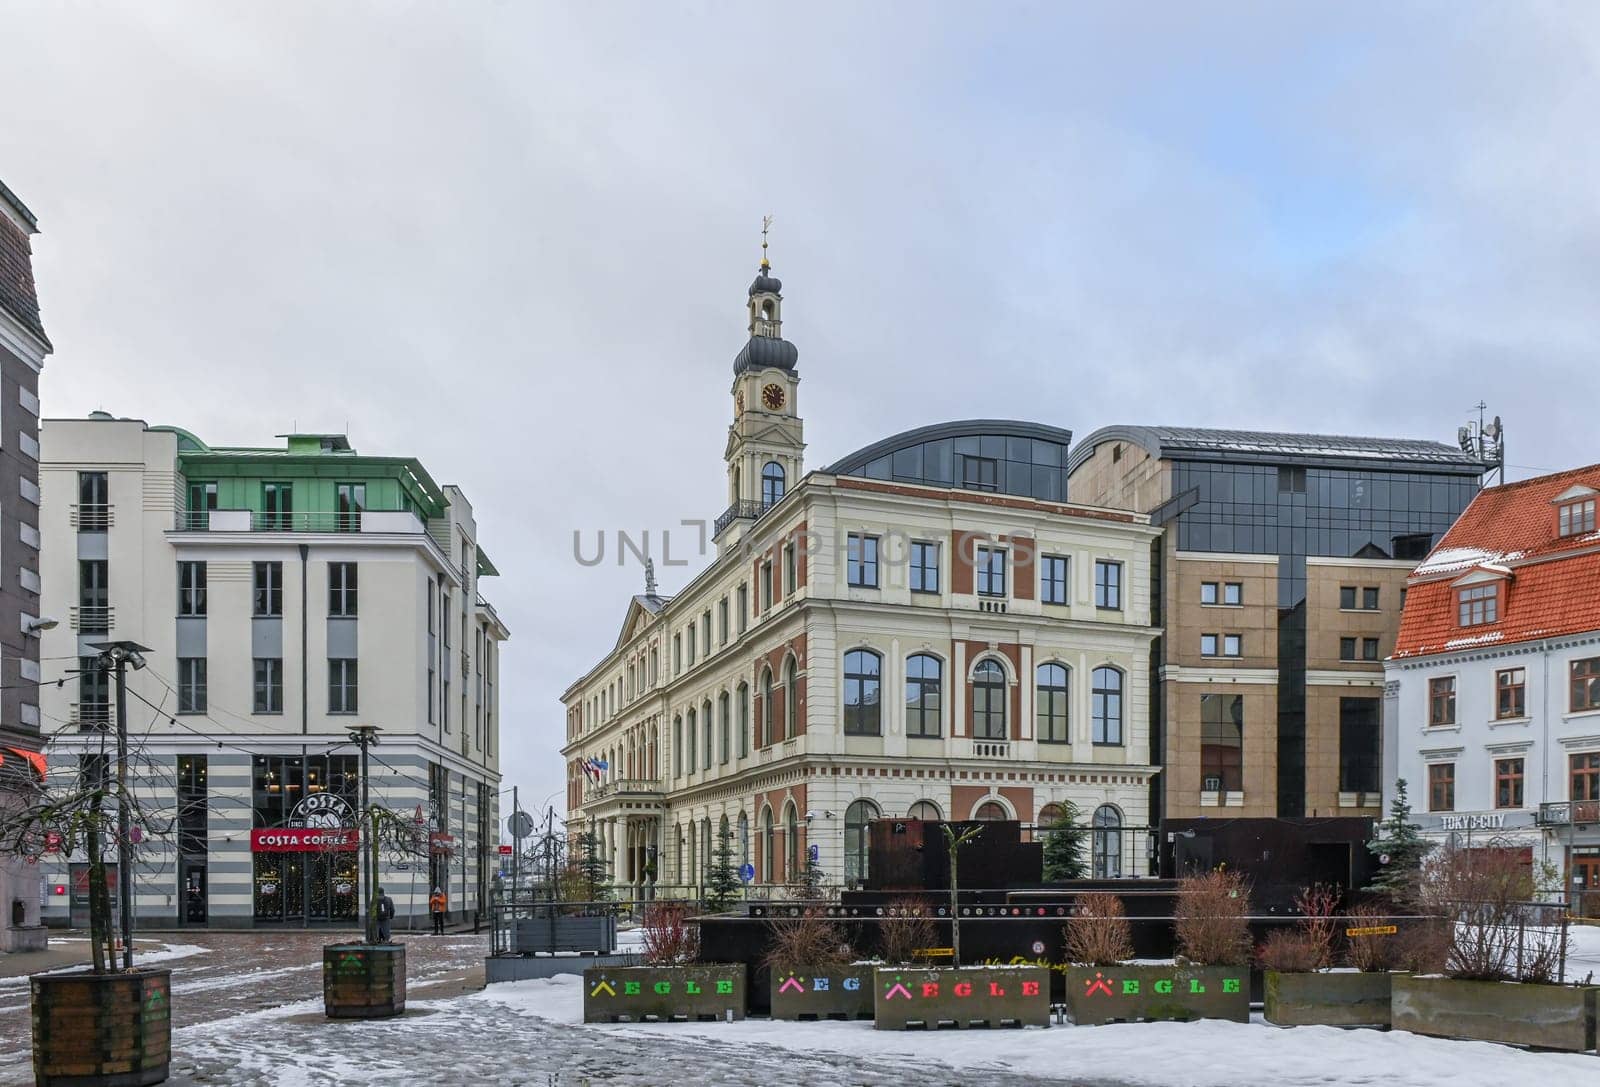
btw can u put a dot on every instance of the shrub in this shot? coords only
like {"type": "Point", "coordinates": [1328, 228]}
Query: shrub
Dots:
{"type": "Point", "coordinates": [1370, 954]}
{"type": "Point", "coordinates": [810, 940]}
{"type": "Point", "coordinates": [1291, 951]}
{"type": "Point", "coordinates": [1483, 892]}
{"type": "Point", "coordinates": [1424, 948]}
{"type": "Point", "coordinates": [1098, 933]}
{"type": "Point", "coordinates": [1317, 904]}
{"type": "Point", "coordinates": [906, 926]}
{"type": "Point", "coordinates": [1211, 923]}
{"type": "Point", "coordinates": [670, 938]}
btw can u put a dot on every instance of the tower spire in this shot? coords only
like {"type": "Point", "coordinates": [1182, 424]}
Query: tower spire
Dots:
{"type": "Point", "coordinates": [766, 225]}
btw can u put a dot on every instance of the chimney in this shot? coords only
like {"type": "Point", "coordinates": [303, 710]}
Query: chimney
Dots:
{"type": "Point", "coordinates": [18, 299]}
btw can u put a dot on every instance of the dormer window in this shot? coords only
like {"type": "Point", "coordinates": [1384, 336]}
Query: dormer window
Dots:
{"type": "Point", "coordinates": [1478, 605]}
{"type": "Point", "coordinates": [1576, 518]}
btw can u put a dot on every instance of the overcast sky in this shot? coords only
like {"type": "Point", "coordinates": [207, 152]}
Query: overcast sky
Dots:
{"type": "Point", "coordinates": [514, 239]}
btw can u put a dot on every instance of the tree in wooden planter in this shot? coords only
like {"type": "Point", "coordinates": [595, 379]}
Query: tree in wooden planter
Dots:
{"type": "Point", "coordinates": [671, 985]}
{"type": "Point", "coordinates": [809, 962]}
{"type": "Point", "coordinates": [906, 930]}
{"type": "Point", "coordinates": [1301, 987]}
{"type": "Point", "coordinates": [111, 1023]}
{"type": "Point", "coordinates": [1503, 968]}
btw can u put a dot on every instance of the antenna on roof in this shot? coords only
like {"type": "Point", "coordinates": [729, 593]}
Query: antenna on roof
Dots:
{"type": "Point", "coordinates": [1486, 441]}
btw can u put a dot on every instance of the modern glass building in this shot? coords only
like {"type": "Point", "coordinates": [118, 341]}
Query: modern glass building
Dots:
{"type": "Point", "coordinates": [996, 455]}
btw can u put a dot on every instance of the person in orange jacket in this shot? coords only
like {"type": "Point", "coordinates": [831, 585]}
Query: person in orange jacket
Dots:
{"type": "Point", "coordinates": [436, 906]}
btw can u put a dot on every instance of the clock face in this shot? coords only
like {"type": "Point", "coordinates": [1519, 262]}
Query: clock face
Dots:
{"type": "Point", "coordinates": [772, 397]}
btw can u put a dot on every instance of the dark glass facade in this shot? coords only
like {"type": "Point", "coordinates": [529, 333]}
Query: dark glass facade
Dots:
{"type": "Point", "coordinates": [1024, 459]}
{"type": "Point", "coordinates": [1295, 511]}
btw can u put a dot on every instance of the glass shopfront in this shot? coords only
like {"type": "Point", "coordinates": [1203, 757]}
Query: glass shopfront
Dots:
{"type": "Point", "coordinates": [306, 866]}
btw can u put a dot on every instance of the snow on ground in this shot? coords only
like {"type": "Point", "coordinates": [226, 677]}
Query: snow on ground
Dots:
{"type": "Point", "coordinates": [1211, 1053]}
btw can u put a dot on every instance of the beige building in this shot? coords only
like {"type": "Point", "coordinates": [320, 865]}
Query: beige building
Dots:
{"type": "Point", "coordinates": [924, 629]}
{"type": "Point", "coordinates": [1281, 580]}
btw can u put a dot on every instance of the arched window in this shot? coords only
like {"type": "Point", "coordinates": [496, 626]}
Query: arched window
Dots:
{"type": "Point", "coordinates": [689, 736]}
{"type": "Point", "coordinates": [744, 838]}
{"type": "Point", "coordinates": [1051, 703]}
{"type": "Point", "coordinates": [988, 701]}
{"type": "Point", "coordinates": [791, 842]}
{"type": "Point", "coordinates": [791, 700]}
{"type": "Point", "coordinates": [744, 720]}
{"type": "Point", "coordinates": [706, 734]}
{"type": "Point", "coordinates": [862, 704]}
{"type": "Point", "coordinates": [771, 483]}
{"type": "Point", "coordinates": [769, 843]}
{"type": "Point", "coordinates": [764, 729]}
{"type": "Point", "coordinates": [725, 727]}
{"type": "Point", "coordinates": [856, 818]}
{"type": "Point", "coordinates": [925, 809]}
{"type": "Point", "coordinates": [1107, 713]}
{"type": "Point", "coordinates": [725, 834]}
{"type": "Point", "coordinates": [677, 747]}
{"type": "Point", "coordinates": [924, 691]}
{"type": "Point", "coordinates": [1048, 816]}
{"type": "Point", "coordinates": [655, 738]}
{"type": "Point", "coordinates": [705, 849]}
{"type": "Point", "coordinates": [1107, 842]}
{"type": "Point", "coordinates": [990, 811]}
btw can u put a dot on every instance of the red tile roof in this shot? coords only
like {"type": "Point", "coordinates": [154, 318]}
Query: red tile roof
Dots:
{"type": "Point", "coordinates": [1553, 583]}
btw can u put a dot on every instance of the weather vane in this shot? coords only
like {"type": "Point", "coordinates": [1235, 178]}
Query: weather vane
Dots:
{"type": "Point", "coordinates": [766, 225]}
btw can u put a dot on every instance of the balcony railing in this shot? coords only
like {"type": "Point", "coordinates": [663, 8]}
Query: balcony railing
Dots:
{"type": "Point", "coordinates": [91, 516]}
{"type": "Point", "coordinates": [89, 715]}
{"type": "Point", "coordinates": [635, 786]}
{"type": "Point", "coordinates": [991, 749]}
{"type": "Point", "coordinates": [388, 521]}
{"type": "Point", "coordinates": [94, 619]}
{"type": "Point", "coordinates": [1561, 813]}
{"type": "Point", "coordinates": [739, 511]}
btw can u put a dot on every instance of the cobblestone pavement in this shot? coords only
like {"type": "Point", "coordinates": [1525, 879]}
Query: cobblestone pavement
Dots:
{"type": "Point", "coordinates": [247, 1011]}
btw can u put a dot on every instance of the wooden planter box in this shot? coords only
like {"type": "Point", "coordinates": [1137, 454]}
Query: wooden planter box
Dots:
{"type": "Point", "coordinates": [363, 981]}
{"type": "Point", "coordinates": [844, 992]}
{"type": "Point", "coordinates": [111, 1030]}
{"type": "Point", "coordinates": [1126, 994]}
{"type": "Point", "coordinates": [663, 994]}
{"type": "Point", "coordinates": [1546, 1016]}
{"type": "Point", "coordinates": [909, 998]}
{"type": "Point", "coordinates": [594, 933]}
{"type": "Point", "coordinates": [1324, 999]}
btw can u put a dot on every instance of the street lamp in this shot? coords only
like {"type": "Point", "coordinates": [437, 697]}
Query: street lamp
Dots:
{"type": "Point", "coordinates": [118, 656]}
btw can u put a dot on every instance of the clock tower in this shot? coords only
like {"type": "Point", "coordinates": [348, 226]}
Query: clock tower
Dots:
{"type": "Point", "coordinates": [765, 442]}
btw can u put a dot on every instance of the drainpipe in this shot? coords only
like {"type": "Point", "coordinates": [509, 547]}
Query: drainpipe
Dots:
{"type": "Point", "coordinates": [305, 675]}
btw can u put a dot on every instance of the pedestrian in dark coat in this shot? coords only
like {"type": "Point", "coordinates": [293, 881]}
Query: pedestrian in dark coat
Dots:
{"type": "Point", "coordinates": [385, 915]}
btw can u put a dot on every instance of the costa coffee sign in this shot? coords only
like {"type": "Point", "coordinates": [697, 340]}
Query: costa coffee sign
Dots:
{"type": "Point", "coordinates": [302, 839]}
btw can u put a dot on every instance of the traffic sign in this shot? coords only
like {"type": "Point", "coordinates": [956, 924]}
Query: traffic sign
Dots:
{"type": "Point", "coordinates": [521, 824]}
{"type": "Point", "coordinates": [747, 872]}
{"type": "Point", "coordinates": [813, 853]}
{"type": "Point", "coordinates": [505, 851]}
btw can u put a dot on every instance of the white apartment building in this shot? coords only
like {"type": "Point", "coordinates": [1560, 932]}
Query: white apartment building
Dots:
{"type": "Point", "coordinates": [924, 629]}
{"type": "Point", "coordinates": [1492, 705]}
{"type": "Point", "coordinates": [284, 595]}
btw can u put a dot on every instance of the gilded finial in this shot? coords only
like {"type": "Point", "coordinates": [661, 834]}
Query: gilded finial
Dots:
{"type": "Point", "coordinates": [766, 225]}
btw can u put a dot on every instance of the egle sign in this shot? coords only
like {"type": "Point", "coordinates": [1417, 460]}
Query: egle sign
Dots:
{"type": "Point", "coordinates": [663, 994]}
{"type": "Point", "coordinates": [1126, 994]}
{"type": "Point", "coordinates": [971, 996]}
{"type": "Point", "coordinates": [840, 993]}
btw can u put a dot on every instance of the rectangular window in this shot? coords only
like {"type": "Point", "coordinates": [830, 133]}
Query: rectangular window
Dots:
{"type": "Point", "coordinates": [94, 694]}
{"type": "Point", "coordinates": [1442, 701]}
{"type": "Point", "coordinates": [1107, 584]}
{"type": "Point", "coordinates": [744, 721]}
{"type": "Point", "coordinates": [1360, 739]}
{"type": "Point", "coordinates": [1208, 592]}
{"type": "Point", "coordinates": [861, 560]}
{"type": "Point", "coordinates": [1291, 481]}
{"type": "Point", "coordinates": [744, 608]}
{"type": "Point", "coordinates": [1509, 685]}
{"type": "Point", "coordinates": [191, 588]}
{"type": "Point", "coordinates": [202, 502]}
{"type": "Point", "coordinates": [677, 653]}
{"type": "Point", "coordinates": [342, 590]}
{"type": "Point", "coordinates": [1233, 593]}
{"type": "Point", "coordinates": [191, 685]}
{"type": "Point", "coordinates": [1442, 786]}
{"type": "Point", "coordinates": [1478, 605]}
{"type": "Point", "coordinates": [1232, 645]}
{"type": "Point", "coordinates": [1347, 597]}
{"type": "Point", "coordinates": [277, 506]}
{"type": "Point", "coordinates": [1577, 517]}
{"type": "Point", "coordinates": [790, 574]}
{"type": "Point", "coordinates": [351, 499]}
{"type": "Point", "coordinates": [1585, 689]}
{"type": "Point", "coordinates": [94, 613]}
{"type": "Point", "coordinates": [980, 473]}
{"type": "Point", "coordinates": [1208, 645]}
{"type": "Point", "coordinates": [990, 563]}
{"type": "Point", "coordinates": [1347, 649]}
{"type": "Point", "coordinates": [342, 685]}
{"type": "Point", "coordinates": [722, 621]}
{"type": "Point", "coordinates": [1369, 649]}
{"type": "Point", "coordinates": [924, 566]}
{"type": "Point", "coordinates": [268, 685]}
{"type": "Point", "coordinates": [1369, 598]}
{"type": "Point", "coordinates": [268, 598]}
{"type": "Point", "coordinates": [1053, 579]}
{"type": "Point", "coordinates": [688, 645]}
{"type": "Point", "coordinates": [766, 587]}
{"type": "Point", "coordinates": [94, 502]}
{"type": "Point", "coordinates": [1222, 743]}
{"type": "Point", "coordinates": [1508, 783]}
{"type": "Point", "coordinates": [1585, 776]}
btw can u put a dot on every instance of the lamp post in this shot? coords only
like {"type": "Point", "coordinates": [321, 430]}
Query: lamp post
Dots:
{"type": "Point", "coordinates": [364, 736]}
{"type": "Point", "coordinates": [118, 656]}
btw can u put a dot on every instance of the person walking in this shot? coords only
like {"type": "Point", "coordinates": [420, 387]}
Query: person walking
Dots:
{"type": "Point", "coordinates": [436, 906]}
{"type": "Point", "coordinates": [385, 915]}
